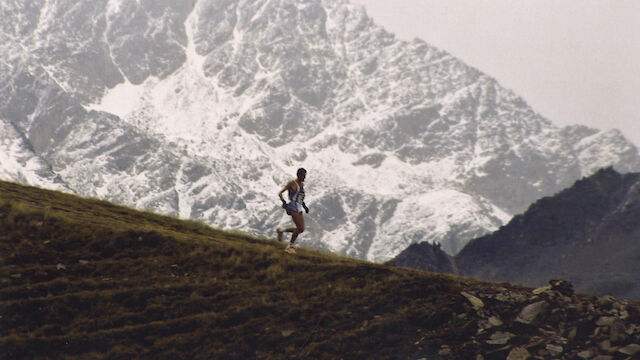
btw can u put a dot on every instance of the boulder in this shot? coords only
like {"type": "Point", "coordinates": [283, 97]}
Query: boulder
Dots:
{"type": "Point", "coordinates": [554, 350]}
{"type": "Point", "coordinates": [530, 313]}
{"type": "Point", "coordinates": [518, 353]}
{"type": "Point", "coordinates": [586, 354]}
{"type": "Point", "coordinates": [500, 338]}
{"type": "Point", "coordinates": [630, 350]}
{"type": "Point", "coordinates": [562, 286]}
{"type": "Point", "coordinates": [618, 332]}
{"type": "Point", "coordinates": [475, 301]}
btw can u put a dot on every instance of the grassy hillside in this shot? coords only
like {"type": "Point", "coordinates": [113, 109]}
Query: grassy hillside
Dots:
{"type": "Point", "coordinates": [83, 279]}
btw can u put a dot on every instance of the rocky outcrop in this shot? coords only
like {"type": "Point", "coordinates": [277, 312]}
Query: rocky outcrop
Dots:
{"type": "Point", "coordinates": [553, 322]}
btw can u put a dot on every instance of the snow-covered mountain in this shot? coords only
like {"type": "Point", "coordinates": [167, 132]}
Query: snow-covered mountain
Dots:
{"type": "Point", "coordinates": [21, 164]}
{"type": "Point", "coordinates": [205, 108]}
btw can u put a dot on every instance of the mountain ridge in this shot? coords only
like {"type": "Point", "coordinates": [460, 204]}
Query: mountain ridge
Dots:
{"type": "Point", "coordinates": [212, 103]}
{"type": "Point", "coordinates": [585, 234]}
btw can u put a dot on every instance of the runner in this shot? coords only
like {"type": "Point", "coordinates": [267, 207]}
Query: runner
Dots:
{"type": "Point", "coordinates": [294, 208]}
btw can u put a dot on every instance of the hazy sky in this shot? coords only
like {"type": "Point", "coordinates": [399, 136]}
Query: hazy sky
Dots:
{"type": "Point", "coordinates": [574, 61]}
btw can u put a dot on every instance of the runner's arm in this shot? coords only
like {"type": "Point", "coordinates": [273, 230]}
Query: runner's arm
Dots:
{"type": "Point", "coordinates": [287, 187]}
{"type": "Point", "coordinates": [280, 195]}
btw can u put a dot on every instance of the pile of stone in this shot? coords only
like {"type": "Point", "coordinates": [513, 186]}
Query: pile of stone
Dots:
{"type": "Point", "coordinates": [553, 322]}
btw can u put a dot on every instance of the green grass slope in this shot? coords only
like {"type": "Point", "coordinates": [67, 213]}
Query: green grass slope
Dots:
{"type": "Point", "coordinates": [85, 279]}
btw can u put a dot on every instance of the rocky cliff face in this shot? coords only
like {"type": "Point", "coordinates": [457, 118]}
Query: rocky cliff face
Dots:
{"type": "Point", "coordinates": [204, 109]}
{"type": "Point", "coordinates": [587, 234]}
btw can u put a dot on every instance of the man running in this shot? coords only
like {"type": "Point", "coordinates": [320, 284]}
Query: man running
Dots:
{"type": "Point", "coordinates": [294, 208]}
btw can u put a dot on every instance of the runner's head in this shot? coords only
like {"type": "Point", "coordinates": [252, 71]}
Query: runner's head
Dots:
{"type": "Point", "coordinates": [302, 173]}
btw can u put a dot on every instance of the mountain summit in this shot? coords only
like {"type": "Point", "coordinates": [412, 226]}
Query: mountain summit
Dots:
{"type": "Point", "coordinates": [204, 109]}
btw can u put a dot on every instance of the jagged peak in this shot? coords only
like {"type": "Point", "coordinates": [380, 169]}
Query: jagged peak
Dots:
{"type": "Point", "coordinates": [278, 80]}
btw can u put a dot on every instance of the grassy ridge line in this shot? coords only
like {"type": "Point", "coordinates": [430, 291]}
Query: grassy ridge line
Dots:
{"type": "Point", "coordinates": [101, 213]}
{"type": "Point", "coordinates": [88, 279]}
{"type": "Point", "coordinates": [97, 212]}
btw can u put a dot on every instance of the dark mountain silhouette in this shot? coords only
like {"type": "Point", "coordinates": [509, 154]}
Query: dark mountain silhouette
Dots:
{"type": "Point", "coordinates": [588, 234]}
{"type": "Point", "coordinates": [425, 256]}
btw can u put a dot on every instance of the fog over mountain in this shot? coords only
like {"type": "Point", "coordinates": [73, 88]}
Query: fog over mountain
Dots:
{"type": "Point", "coordinates": [204, 109]}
